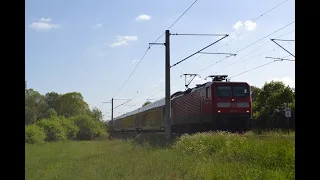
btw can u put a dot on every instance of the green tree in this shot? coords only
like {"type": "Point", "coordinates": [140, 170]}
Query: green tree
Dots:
{"type": "Point", "coordinates": [254, 92]}
{"type": "Point", "coordinates": [49, 113]}
{"type": "Point", "coordinates": [146, 103]}
{"type": "Point", "coordinates": [35, 106]}
{"type": "Point", "coordinates": [71, 104]}
{"type": "Point", "coordinates": [272, 97]}
{"type": "Point", "coordinates": [96, 114]}
{"type": "Point", "coordinates": [51, 99]}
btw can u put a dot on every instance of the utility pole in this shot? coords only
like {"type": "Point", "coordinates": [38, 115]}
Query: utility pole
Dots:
{"type": "Point", "coordinates": [167, 88]}
{"type": "Point", "coordinates": [127, 100]}
{"type": "Point", "coordinates": [112, 112]}
{"type": "Point", "coordinates": [167, 84]}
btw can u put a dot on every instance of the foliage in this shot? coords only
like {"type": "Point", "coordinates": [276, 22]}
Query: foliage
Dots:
{"type": "Point", "coordinates": [69, 126]}
{"type": "Point", "coordinates": [34, 134]}
{"type": "Point", "coordinates": [89, 128]}
{"type": "Point", "coordinates": [35, 106]}
{"type": "Point", "coordinates": [71, 104]}
{"type": "Point", "coordinates": [50, 113]}
{"type": "Point", "coordinates": [53, 129]}
{"type": "Point", "coordinates": [269, 103]}
{"type": "Point", "coordinates": [146, 103]}
{"type": "Point", "coordinates": [240, 157]}
{"type": "Point", "coordinates": [96, 114]}
{"type": "Point", "coordinates": [52, 99]}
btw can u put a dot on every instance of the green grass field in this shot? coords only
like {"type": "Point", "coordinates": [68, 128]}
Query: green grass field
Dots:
{"type": "Point", "coordinates": [200, 156]}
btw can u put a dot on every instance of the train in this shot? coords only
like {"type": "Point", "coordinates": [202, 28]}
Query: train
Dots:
{"type": "Point", "coordinates": [215, 105]}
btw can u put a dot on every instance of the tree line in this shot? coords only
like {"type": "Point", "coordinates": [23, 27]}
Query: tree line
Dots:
{"type": "Point", "coordinates": [54, 116]}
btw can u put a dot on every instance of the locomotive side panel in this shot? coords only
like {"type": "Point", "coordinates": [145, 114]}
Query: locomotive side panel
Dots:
{"type": "Point", "coordinates": [186, 108]}
{"type": "Point", "coordinates": [206, 104]}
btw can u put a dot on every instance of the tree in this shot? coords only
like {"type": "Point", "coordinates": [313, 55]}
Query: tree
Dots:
{"type": "Point", "coordinates": [254, 92]}
{"type": "Point", "coordinates": [51, 99]}
{"type": "Point", "coordinates": [146, 103]}
{"type": "Point", "coordinates": [35, 106]}
{"type": "Point", "coordinates": [71, 104]}
{"type": "Point", "coordinates": [273, 96]}
{"type": "Point", "coordinates": [96, 114]}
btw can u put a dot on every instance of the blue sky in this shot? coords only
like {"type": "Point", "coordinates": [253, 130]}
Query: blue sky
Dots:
{"type": "Point", "coordinates": [91, 47]}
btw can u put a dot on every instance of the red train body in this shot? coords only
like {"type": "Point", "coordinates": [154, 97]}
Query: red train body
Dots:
{"type": "Point", "coordinates": [215, 105]}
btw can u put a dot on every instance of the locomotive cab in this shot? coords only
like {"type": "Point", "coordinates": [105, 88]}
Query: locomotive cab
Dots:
{"type": "Point", "coordinates": [231, 104]}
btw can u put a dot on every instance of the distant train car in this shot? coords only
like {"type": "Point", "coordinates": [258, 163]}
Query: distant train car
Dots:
{"type": "Point", "coordinates": [147, 118]}
{"type": "Point", "coordinates": [216, 105]}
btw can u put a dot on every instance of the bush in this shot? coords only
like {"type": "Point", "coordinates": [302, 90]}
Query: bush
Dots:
{"type": "Point", "coordinates": [89, 127]}
{"type": "Point", "coordinates": [69, 126]}
{"type": "Point", "coordinates": [34, 134]}
{"type": "Point", "coordinates": [270, 151]}
{"type": "Point", "coordinates": [53, 128]}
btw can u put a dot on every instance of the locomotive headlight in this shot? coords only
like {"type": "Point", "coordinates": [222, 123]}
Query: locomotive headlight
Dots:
{"type": "Point", "coordinates": [248, 111]}
{"type": "Point", "coordinates": [218, 111]}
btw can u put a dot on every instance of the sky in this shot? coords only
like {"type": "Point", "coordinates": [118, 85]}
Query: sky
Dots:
{"type": "Point", "coordinates": [92, 47]}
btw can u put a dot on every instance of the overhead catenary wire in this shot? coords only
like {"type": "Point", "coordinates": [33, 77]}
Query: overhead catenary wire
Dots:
{"type": "Point", "coordinates": [249, 45]}
{"type": "Point", "coordinates": [237, 51]}
{"type": "Point", "coordinates": [150, 46]}
{"type": "Point", "coordinates": [253, 20]}
{"type": "Point", "coordinates": [266, 64]}
{"type": "Point", "coordinates": [256, 18]}
{"type": "Point", "coordinates": [226, 35]}
{"type": "Point", "coordinates": [259, 47]}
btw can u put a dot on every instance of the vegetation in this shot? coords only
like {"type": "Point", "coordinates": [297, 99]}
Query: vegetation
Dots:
{"type": "Point", "coordinates": [146, 103]}
{"type": "Point", "coordinates": [61, 118]}
{"type": "Point", "coordinates": [58, 117]}
{"type": "Point", "coordinates": [199, 156]}
{"type": "Point", "coordinates": [268, 105]}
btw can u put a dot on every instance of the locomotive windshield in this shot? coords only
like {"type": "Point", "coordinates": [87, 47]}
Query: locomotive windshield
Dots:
{"type": "Point", "coordinates": [236, 91]}
{"type": "Point", "coordinates": [240, 91]}
{"type": "Point", "coordinates": [224, 91]}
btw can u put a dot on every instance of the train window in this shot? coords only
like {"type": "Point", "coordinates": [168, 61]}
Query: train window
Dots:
{"type": "Point", "coordinates": [240, 91]}
{"type": "Point", "coordinates": [207, 92]}
{"type": "Point", "coordinates": [224, 91]}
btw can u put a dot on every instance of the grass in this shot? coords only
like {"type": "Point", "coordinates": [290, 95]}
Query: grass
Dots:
{"type": "Point", "coordinates": [200, 156]}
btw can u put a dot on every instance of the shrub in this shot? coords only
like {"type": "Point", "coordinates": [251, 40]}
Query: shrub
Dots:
{"type": "Point", "coordinates": [89, 128]}
{"type": "Point", "coordinates": [270, 151]}
{"type": "Point", "coordinates": [34, 134]}
{"type": "Point", "coordinates": [70, 127]}
{"type": "Point", "coordinates": [53, 128]}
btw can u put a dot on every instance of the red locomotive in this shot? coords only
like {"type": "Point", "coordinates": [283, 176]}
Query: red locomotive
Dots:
{"type": "Point", "coordinates": [216, 105]}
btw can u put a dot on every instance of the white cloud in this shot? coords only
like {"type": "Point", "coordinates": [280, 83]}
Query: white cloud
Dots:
{"type": "Point", "coordinates": [43, 24]}
{"type": "Point", "coordinates": [248, 25]}
{"type": "Point", "coordinates": [123, 40]}
{"type": "Point", "coordinates": [143, 17]}
{"type": "Point", "coordinates": [98, 25]}
{"type": "Point", "coordinates": [237, 25]}
{"type": "Point", "coordinates": [134, 61]}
